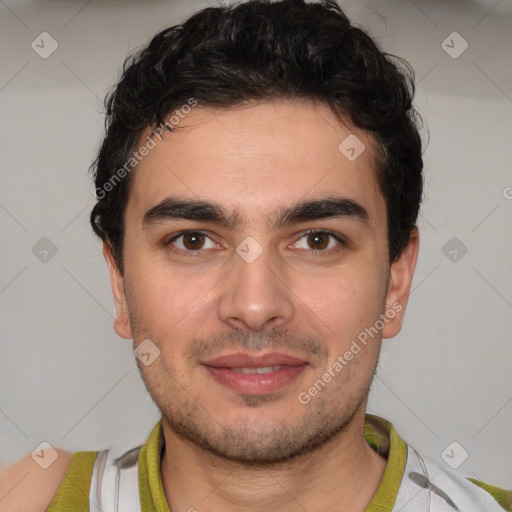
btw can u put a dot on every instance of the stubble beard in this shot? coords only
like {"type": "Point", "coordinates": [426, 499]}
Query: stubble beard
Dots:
{"type": "Point", "coordinates": [252, 443]}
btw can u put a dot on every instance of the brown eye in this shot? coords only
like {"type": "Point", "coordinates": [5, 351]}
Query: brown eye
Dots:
{"type": "Point", "coordinates": [193, 241]}
{"type": "Point", "coordinates": [190, 242]}
{"type": "Point", "coordinates": [318, 241]}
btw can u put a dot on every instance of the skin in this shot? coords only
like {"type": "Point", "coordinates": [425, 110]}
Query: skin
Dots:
{"type": "Point", "coordinates": [227, 450]}
{"type": "Point", "coordinates": [27, 486]}
{"type": "Point", "coordinates": [233, 450]}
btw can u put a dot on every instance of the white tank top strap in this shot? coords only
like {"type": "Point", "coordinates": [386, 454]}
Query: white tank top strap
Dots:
{"type": "Point", "coordinates": [115, 482]}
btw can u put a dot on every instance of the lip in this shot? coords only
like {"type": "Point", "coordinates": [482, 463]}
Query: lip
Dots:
{"type": "Point", "coordinates": [221, 369]}
{"type": "Point", "coordinates": [245, 360]}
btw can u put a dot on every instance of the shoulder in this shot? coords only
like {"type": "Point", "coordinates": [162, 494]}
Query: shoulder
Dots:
{"type": "Point", "coordinates": [30, 484]}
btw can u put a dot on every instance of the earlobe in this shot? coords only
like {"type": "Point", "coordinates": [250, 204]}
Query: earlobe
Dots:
{"type": "Point", "coordinates": [400, 280]}
{"type": "Point", "coordinates": [122, 319]}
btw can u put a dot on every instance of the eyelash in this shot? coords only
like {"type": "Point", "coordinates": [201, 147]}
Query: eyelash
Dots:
{"type": "Point", "coordinates": [314, 252]}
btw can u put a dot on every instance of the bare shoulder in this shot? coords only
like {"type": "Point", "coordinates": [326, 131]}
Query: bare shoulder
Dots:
{"type": "Point", "coordinates": [31, 483]}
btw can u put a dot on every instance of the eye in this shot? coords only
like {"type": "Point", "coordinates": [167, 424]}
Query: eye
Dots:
{"type": "Point", "coordinates": [318, 241]}
{"type": "Point", "coordinates": [192, 241]}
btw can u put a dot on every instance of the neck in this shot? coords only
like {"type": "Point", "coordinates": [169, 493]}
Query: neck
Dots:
{"type": "Point", "coordinates": [344, 473]}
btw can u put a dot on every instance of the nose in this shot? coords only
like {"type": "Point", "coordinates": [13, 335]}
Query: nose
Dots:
{"type": "Point", "coordinates": [254, 294]}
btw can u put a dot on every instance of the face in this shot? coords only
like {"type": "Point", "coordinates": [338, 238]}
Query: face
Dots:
{"type": "Point", "coordinates": [256, 263]}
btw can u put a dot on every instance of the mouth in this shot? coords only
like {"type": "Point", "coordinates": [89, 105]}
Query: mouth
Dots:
{"type": "Point", "coordinates": [256, 375]}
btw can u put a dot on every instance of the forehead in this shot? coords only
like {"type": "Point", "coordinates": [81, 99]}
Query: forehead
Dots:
{"type": "Point", "coordinates": [258, 157]}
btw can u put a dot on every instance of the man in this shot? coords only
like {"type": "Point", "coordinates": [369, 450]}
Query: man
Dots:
{"type": "Point", "coordinates": [258, 188]}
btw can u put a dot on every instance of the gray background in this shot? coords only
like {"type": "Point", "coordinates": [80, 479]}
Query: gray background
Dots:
{"type": "Point", "coordinates": [67, 378]}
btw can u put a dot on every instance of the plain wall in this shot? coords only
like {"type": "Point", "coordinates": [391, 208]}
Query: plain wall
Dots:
{"type": "Point", "coordinates": [67, 378]}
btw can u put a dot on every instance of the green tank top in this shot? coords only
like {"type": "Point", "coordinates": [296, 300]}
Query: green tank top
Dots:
{"type": "Point", "coordinates": [73, 494]}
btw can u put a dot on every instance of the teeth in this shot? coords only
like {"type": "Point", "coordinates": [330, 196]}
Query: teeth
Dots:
{"type": "Point", "coordinates": [259, 370]}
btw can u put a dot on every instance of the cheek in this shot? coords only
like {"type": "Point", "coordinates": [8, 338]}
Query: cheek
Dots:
{"type": "Point", "coordinates": [168, 305]}
{"type": "Point", "coordinates": [347, 306]}
{"type": "Point", "coordinates": [346, 300]}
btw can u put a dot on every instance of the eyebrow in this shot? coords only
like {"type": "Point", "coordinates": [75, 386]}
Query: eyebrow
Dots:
{"type": "Point", "coordinates": [208, 211]}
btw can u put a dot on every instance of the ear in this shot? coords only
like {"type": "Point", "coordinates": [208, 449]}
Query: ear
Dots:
{"type": "Point", "coordinates": [122, 320]}
{"type": "Point", "coordinates": [399, 286]}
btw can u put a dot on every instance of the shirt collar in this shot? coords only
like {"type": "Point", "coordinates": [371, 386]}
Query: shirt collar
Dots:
{"type": "Point", "coordinates": [379, 433]}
